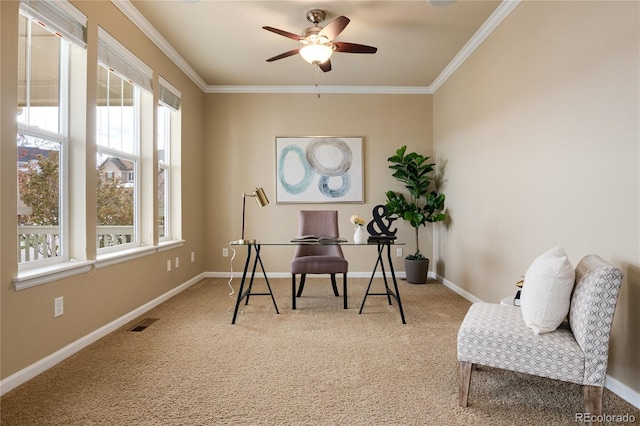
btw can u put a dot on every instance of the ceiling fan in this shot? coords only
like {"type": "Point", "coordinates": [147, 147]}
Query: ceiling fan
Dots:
{"type": "Point", "coordinates": [318, 42]}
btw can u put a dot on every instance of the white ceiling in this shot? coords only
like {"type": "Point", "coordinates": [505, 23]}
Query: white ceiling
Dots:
{"type": "Point", "coordinates": [221, 44]}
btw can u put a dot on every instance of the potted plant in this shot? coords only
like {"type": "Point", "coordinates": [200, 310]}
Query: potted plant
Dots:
{"type": "Point", "coordinates": [421, 207]}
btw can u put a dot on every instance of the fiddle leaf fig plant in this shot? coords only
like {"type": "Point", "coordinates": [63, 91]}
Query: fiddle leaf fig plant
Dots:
{"type": "Point", "coordinates": [422, 205]}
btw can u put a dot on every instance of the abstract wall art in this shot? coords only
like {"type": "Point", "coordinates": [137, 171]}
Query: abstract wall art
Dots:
{"type": "Point", "coordinates": [321, 169]}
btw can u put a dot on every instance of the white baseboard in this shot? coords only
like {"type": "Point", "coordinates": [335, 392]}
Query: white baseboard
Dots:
{"type": "Point", "coordinates": [623, 391]}
{"type": "Point", "coordinates": [614, 385]}
{"type": "Point", "coordinates": [44, 364]}
{"type": "Point", "coordinates": [451, 286]}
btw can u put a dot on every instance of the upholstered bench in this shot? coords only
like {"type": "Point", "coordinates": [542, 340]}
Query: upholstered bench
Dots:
{"type": "Point", "coordinates": [496, 335]}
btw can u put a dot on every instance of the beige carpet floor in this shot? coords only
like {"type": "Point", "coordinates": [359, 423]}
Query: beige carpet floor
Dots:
{"type": "Point", "coordinates": [318, 365]}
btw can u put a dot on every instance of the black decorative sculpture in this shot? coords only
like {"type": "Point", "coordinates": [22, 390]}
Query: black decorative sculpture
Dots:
{"type": "Point", "coordinates": [379, 227]}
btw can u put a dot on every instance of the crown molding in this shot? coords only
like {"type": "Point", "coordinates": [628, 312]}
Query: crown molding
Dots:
{"type": "Point", "coordinates": [368, 90]}
{"type": "Point", "coordinates": [476, 40]}
{"type": "Point", "coordinates": [483, 32]}
{"type": "Point", "coordinates": [141, 22]}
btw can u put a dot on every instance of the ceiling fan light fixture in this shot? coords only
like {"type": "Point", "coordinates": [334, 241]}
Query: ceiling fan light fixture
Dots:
{"type": "Point", "coordinates": [316, 53]}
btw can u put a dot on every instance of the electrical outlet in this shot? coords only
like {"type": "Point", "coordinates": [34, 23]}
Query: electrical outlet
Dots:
{"type": "Point", "coordinates": [168, 265]}
{"type": "Point", "coordinates": [177, 262]}
{"type": "Point", "coordinates": [399, 252]}
{"type": "Point", "coordinates": [193, 256]}
{"type": "Point", "coordinates": [225, 252]}
{"type": "Point", "coordinates": [58, 306]}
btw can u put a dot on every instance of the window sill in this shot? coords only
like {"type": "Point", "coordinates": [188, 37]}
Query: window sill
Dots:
{"type": "Point", "coordinates": [134, 253]}
{"type": "Point", "coordinates": [37, 276]}
{"type": "Point", "coordinates": [115, 257]}
{"type": "Point", "coordinates": [170, 244]}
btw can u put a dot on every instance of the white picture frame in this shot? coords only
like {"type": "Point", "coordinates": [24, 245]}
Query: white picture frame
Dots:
{"type": "Point", "coordinates": [319, 169]}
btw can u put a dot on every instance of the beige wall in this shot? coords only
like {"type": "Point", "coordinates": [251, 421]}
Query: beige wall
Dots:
{"type": "Point", "coordinates": [240, 155]}
{"type": "Point", "coordinates": [539, 133]}
{"type": "Point", "coordinates": [29, 330]}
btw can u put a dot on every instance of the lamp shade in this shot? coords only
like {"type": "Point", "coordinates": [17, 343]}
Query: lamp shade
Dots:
{"type": "Point", "coordinates": [261, 197]}
{"type": "Point", "coordinates": [316, 53]}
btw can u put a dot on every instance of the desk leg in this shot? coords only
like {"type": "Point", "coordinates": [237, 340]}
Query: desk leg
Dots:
{"type": "Point", "coordinates": [375, 267]}
{"type": "Point", "coordinates": [244, 276]}
{"type": "Point", "coordinates": [388, 292]}
{"type": "Point", "coordinates": [253, 273]}
{"type": "Point", "coordinates": [384, 277]}
{"type": "Point", "coordinates": [248, 293]}
{"type": "Point", "coordinates": [395, 283]}
{"type": "Point", "coordinates": [266, 279]}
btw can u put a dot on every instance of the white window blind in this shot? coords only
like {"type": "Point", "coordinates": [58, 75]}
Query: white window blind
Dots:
{"type": "Point", "coordinates": [60, 17]}
{"type": "Point", "coordinates": [169, 95]}
{"type": "Point", "coordinates": [120, 60]}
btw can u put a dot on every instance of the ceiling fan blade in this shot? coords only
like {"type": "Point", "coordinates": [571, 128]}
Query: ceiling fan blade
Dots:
{"type": "Point", "coordinates": [326, 65]}
{"type": "Point", "coordinates": [335, 27]}
{"type": "Point", "coordinates": [284, 55]}
{"type": "Point", "coordinates": [284, 33]}
{"type": "Point", "coordinates": [341, 46]}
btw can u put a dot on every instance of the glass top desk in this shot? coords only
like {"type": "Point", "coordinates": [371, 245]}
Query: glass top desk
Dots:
{"type": "Point", "coordinates": [256, 245]}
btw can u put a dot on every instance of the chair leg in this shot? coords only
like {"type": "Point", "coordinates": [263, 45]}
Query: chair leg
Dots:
{"type": "Point", "coordinates": [334, 285]}
{"type": "Point", "coordinates": [465, 381]}
{"type": "Point", "coordinates": [293, 291]}
{"type": "Point", "coordinates": [344, 289]}
{"type": "Point", "coordinates": [592, 396]}
{"type": "Point", "coordinates": [301, 287]}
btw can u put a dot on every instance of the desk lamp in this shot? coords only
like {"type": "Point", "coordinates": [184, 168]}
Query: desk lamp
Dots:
{"type": "Point", "coordinates": [261, 199]}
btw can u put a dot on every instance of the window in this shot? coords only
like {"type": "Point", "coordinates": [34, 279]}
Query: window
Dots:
{"type": "Point", "coordinates": [163, 171]}
{"type": "Point", "coordinates": [121, 80]}
{"type": "Point", "coordinates": [168, 137]}
{"type": "Point", "coordinates": [118, 155]}
{"type": "Point", "coordinates": [48, 32]}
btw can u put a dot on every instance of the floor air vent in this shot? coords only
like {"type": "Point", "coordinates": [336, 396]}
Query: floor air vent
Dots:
{"type": "Point", "coordinates": [143, 324]}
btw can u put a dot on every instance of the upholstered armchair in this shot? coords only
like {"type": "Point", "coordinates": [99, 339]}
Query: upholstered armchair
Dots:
{"type": "Point", "coordinates": [318, 258]}
{"type": "Point", "coordinates": [495, 335]}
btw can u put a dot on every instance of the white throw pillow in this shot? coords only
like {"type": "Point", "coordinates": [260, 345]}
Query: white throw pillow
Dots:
{"type": "Point", "coordinates": [546, 292]}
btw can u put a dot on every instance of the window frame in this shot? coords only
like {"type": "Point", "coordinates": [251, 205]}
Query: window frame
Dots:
{"type": "Point", "coordinates": [135, 158]}
{"type": "Point", "coordinates": [117, 59]}
{"type": "Point", "coordinates": [170, 98]}
{"type": "Point", "coordinates": [60, 137]}
{"type": "Point", "coordinates": [165, 165]}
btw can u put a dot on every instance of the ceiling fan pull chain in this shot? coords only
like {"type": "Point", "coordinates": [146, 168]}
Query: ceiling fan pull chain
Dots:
{"type": "Point", "coordinates": [317, 90]}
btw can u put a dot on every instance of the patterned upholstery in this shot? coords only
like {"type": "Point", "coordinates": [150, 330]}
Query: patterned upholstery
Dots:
{"type": "Point", "coordinates": [496, 336]}
{"type": "Point", "coordinates": [593, 303]}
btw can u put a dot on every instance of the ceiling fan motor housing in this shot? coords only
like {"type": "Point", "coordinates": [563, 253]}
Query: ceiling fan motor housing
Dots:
{"type": "Point", "coordinates": [315, 16]}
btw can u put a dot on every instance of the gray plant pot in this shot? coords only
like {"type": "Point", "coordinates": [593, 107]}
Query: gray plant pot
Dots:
{"type": "Point", "coordinates": [416, 270]}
